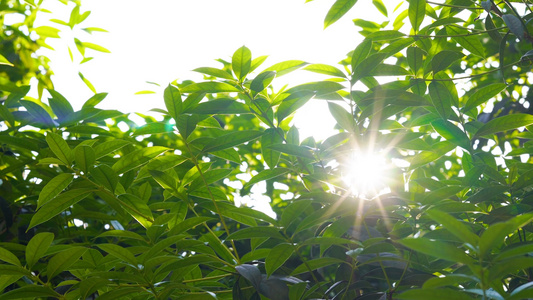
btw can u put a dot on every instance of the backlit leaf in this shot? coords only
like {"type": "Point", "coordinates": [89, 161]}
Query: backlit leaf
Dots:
{"type": "Point", "coordinates": [339, 8]}
{"type": "Point", "coordinates": [505, 123]}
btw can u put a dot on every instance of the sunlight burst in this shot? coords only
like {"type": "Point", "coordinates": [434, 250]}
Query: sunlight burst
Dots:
{"type": "Point", "coordinates": [366, 174]}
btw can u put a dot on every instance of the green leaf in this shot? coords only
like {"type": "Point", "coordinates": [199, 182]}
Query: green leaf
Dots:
{"type": "Point", "coordinates": [345, 119]}
{"type": "Point", "coordinates": [166, 181]}
{"type": "Point", "coordinates": [123, 234]}
{"type": "Point", "coordinates": [105, 176]}
{"type": "Point", "coordinates": [270, 137]}
{"type": "Point", "coordinates": [94, 100]}
{"type": "Point", "coordinates": [256, 62]}
{"type": "Point", "coordinates": [186, 124]}
{"type": "Point", "coordinates": [483, 94]}
{"type": "Point", "coordinates": [119, 252]}
{"type": "Point", "coordinates": [366, 66]}
{"type": "Point", "coordinates": [29, 291]}
{"type": "Point", "coordinates": [505, 123]}
{"type": "Point", "coordinates": [434, 294]}
{"type": "Point", "coordinates": [286, 67]}
{"type": "Point", "coordinates": [214, 72]}
{"type": "Point", "coordinates": [95, 47]}
{"type": "Point", "coordinates": [255, 232]}
{"type": "Point", "coordinates": [63, 260]}
{"type": "Point", "coordinates": [291, 103]}
{"type": "Point", "coordinates": [381, 7]}
{"type": "Point", "coordinates": [441, 98]}
{"type": "Point", "coordinates": [443, 59]}
{"type": "Point", "coordinates": [262, 81]}
{"type": "Point", "coordinates": [209, 87]}
{"type": "Point", "coordinates": [361, 52]}
{"type": "Point", "coordinates": [469, 42]}
{"type": "Point", "coordinates": [59, 147]}
{"type": "Point", "coordinates": [4, 61]}
{"type": "Point", "coordinates": [137, 158]}
{"type": "Point", "coordinates": [87, 82]}
{"type": "Point", "coordinates": [55, 186]}
{"type": "Point", "coordinates": [39, 114]}
{"type": "Point", "coordinates": [241, 62]}
{"type": "Point", "coordinates": [60, 105]}
{"type": "Point", "coordinates": [494, 236]}
{"type": "Point", "coordinates": [316, 264]}
{"type": "Point", "coordinates": [232, 139]}
{"type": "Point", "coordinates": [220, 106]}
{"type": "Point", "coordinates": [385, 35]}
{"type": "Point", "coordinates": [60, 203]}
{"type": "Point", "coordinates": [514, 24]}
{"type": "Point", "coordinates": [437, 249]}
{"type": "Point", "coordinates": [325, 69]}
{"type": "Point", "coordinates": [277, 257]}
{"type": "Point", "coordinates": [417, 12]}
{"type": "Point", "coordinates": [84, 157]}
{"type": "Point", "coordinates": [153, 128]}
{"type": "Point", "coordinates": [301, 151]}
{"type": "Point", "coordinates": [457, 228]}
{"type": "Point", "coordinates": [266, 174]}
{"type": "Point", "coordinates": [47, 32]}
{"type": "Point", "coordinates": [37, 247]}
{"type": "Point", "coordinates": [209, 177]}
{"type": "Point", "coordinates": [339, 8]}
{"type": "Point", "coordinates": [173, 103]}
{"type": "Point", "coordinates": [9, 257]}
{"type": "Point", "coordinates": [292, 211]}
{"type": "Point", "coordinates": [452, 133]}
{"type": "Point", "coordinates": [426, 157]}
{"type": "Point", "coordinates": [137, 208]}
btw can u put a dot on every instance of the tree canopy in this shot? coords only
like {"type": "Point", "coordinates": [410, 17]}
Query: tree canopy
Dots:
{"type": "Point", "coordinates": [424, 191]}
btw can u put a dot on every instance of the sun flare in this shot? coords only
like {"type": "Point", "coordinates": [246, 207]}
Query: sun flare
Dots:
{"type": "Point", "coordinates": [366, 174]}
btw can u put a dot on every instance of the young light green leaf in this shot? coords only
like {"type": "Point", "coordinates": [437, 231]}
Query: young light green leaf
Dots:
{"type": "Point", "coordinates": [63, 260]}
{"type": "Point", "coordinates": [241, 62]}
{"type": "Point", "coordinates": [186, 124]}
{"type": "Point", "coordinates": [4, 61]}
{"type": "Point", "coordinates": [59, 147]}
{"type": "Point", "coordinates": [385, 35]}
{"type": "Point", "coordinates": [37, 247]}
{"type": "Point", "coordinates": [417, 12]}
{"type": "Point", "coordinates": [277, 257]}
{"type": "Point", "coordinates": [60, 203]}
{"type": "Point", "coordinates": [220, 106]}
{"type": "Point", "coordinates": [368, 65]}
{"type": "Point", "coordinates": [232, 139]}
{"type": "Point", "coordinates": [339, 8]}
{"type": "Point", "coordinates": [505, 123]}
{"type": "Point", "coordinates": [173, 103]}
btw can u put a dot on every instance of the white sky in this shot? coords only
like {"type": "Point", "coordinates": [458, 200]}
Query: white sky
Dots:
{"type": "Point", "coordinates": [164, 40]}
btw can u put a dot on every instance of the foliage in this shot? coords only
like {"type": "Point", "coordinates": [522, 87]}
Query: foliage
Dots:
{"type": "Point", "coordinates": [91, 210]}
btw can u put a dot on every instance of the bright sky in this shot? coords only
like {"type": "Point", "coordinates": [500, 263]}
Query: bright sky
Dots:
{"type": "Point", "coordinates": [166, 39]}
